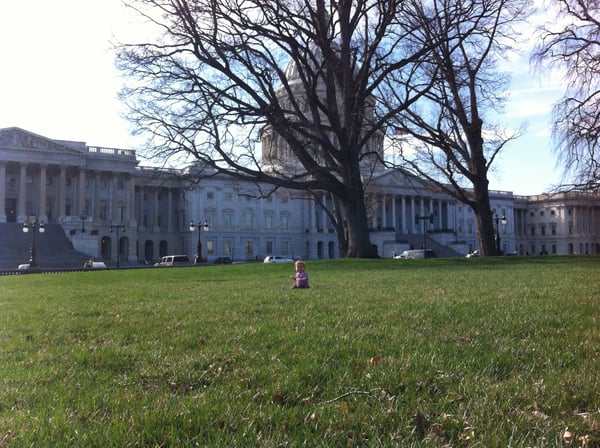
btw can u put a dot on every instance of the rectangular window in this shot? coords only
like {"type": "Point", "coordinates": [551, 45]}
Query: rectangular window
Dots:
{"type": "Point", "coordinates": [269, 222]}
{"type": "Point", "coordinates": [285, 248]}
{"type": "Point", "coordinates": [227, 220]}
{"type": "Point", "coordinates": [285, 222]}
{"type": "Point", "coordinates": [210, 247]}
{"type": "Point", "coordinates": [228, 247]}
{"type": "Point", "coordinates": [248, 221]}
{"type": "Point", "coordinates": [269, 247]}
{"type": "Point", "coordinates": [249, 248]}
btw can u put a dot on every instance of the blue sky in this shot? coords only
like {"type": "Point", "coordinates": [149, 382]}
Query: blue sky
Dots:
{"type": "Point", "coordinates": [58, 79]}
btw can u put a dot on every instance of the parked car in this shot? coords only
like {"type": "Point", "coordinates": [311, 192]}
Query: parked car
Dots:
{"type": "Point", "coordinates": [417, 253]}
{"type": "Point", "coordinates": [98, 265]}
{"type": "Point", "coordinates": [222, 260]}
{"type": "Point", "coordinates": [92, 264]}
{"type": "Point", "coordinates": [174, 260]}
{"type": "Point", "coordinates": [277, 259]}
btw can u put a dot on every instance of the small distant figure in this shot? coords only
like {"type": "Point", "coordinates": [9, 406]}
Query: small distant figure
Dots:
{"type": "Point", "coordinates": [88, 264]}
{"type": "Point", "coordinates": [300, 277]}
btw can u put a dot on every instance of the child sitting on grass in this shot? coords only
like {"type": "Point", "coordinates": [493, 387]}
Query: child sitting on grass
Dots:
{"type": "Point", "coordinates": [300, 277]}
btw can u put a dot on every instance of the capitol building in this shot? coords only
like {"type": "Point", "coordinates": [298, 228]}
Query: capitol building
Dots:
{"type": "Point", "coordinates": [111, 208]}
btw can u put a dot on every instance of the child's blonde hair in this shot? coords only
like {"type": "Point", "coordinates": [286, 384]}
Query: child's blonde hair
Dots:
{"type": "Point", "coordinates": [299, 263]}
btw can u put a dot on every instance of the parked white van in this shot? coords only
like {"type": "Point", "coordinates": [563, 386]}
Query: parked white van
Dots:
{"type": "Point", "coordinates": [417, 253]}
{"type": "Point", "coordinates": [174, 260]}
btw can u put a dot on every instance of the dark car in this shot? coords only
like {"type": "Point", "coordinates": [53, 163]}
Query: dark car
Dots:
{"type": "Point", "coordinates": [222, 260]}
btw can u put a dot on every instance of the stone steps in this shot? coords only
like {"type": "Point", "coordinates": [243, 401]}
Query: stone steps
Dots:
{"type": "Point", "coordinates": [53, 248]}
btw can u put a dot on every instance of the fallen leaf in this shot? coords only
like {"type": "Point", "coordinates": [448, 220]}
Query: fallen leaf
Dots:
{"type": "Point", "coordinates": [278, 398]}
{"type": "Point", "coordinates": [567, 436]}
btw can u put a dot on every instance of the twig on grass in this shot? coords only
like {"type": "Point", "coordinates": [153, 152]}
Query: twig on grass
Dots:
{"type": "Point", "coordinates": [347, 394]}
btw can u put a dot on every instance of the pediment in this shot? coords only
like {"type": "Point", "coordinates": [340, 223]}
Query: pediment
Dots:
{"type": "Point", "coordinates": [396, 178]}
{"type": "Point", "coordinates": [19, 139]}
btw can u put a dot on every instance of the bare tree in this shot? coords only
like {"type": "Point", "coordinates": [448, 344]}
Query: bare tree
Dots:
{"type": "Point", "coordinates": [572, 44]}
{"type": "Point", "coordinates": [296, 79]}
{"type": "Point", "coordinates": [444, 137]}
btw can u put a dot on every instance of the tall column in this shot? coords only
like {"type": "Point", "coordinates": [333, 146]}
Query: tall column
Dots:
{"type": "Point", "coordinates": [155, 215]}
{"type": "Point", "coordinates": [62, 192]}
{"type": "Point", "coordinates": [112, 195]}
{"type": "Point", "coordinates": [170, 211]}
{"type": "Point", "coordinates": [394, 214]}
{"type": "Point", "coordinates": [413, 212]}
{"type": "Point", "coordinates": [81, 192]}
{"type": "Point", "coordinates": [42, 211]}
{"type": "Point", "coordinates": [441, 217]}
{"type": "Point", "coordinates": [131, 202]}
{"type": "Point", "coordinates": [323, 213]}
{"type": "Point", "coordinates": [22, 194]}
{"type": "Point", "coordinates": [96, 205]}
{"type": "Point", "coordinates": [404, 228]}
{"type": "Point", "coordinates": [139, 206]}
{"type": "Point", "coordinates": [2, 191]}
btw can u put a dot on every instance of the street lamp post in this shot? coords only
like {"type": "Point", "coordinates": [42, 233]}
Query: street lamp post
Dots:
{"type": "Point", "coordinates": [117, 227]}
{"type": "Point", "coordinates": [83, 216]}
{"type": "Point", "coordinates": [199, 246]}
{"type": "Point", "coordinates": [503, 222]}
{"type": "Point", "coordinates": [30, 226]}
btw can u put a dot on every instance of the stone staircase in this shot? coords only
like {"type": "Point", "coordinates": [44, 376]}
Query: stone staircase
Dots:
{"type": "Point", "coordinates": [416, 242]}
{"type": "Point", "coordinates": [53, 248]}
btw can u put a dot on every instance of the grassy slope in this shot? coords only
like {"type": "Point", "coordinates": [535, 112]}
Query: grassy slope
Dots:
{"type": "Point", "coordinates": [479, 352]}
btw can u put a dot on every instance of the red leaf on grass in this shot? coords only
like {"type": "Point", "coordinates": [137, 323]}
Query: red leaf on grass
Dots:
{"type": "Point", "coordinates": [278, 398]}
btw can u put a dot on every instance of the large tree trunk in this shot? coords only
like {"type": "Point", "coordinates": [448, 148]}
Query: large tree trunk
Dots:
{"type": "Point", "coordinates": [482, 209]}
{"type": "Point", "coordinates": [357, 229]}
{"type": "Point", "coordinates": [485, 221]}
{"type": "Point", "coordinates": [485, 225]}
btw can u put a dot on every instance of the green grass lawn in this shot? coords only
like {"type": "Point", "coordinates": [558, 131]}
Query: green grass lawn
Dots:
{"type": "Point", "coordinates": [491, 352]}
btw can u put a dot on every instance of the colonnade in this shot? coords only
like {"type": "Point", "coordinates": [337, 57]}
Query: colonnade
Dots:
{"type": "Point", "coordinates": [55, 193]}
{"type": "Point", "coordinates": [395, 212]}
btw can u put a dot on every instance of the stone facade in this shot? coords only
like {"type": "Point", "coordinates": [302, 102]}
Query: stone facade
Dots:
{"type": "Point", "coordinates": [110, 206]}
